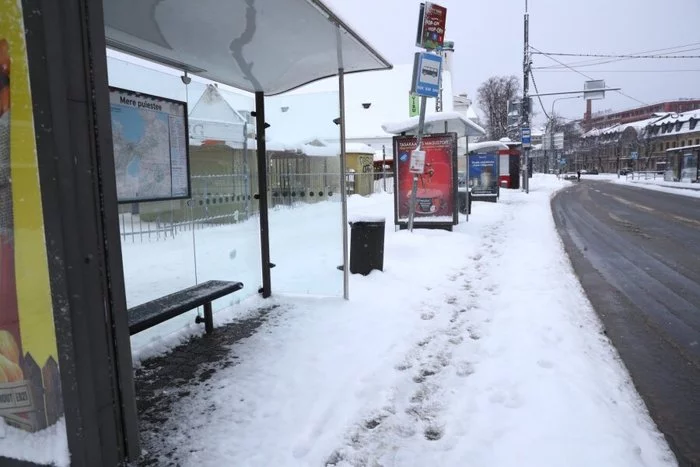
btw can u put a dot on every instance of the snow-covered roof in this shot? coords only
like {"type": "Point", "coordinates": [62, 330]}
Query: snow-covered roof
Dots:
{"type": "Point", "coordinates": [437, 123]}
{"type": "Point", "coordinates": [487, 145]}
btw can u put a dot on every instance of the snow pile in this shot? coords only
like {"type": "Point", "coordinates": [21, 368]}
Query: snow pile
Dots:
{"type": "Point", "coordinates": [48, 446]}
{"type": "Point", "coordinates": [476, 347]}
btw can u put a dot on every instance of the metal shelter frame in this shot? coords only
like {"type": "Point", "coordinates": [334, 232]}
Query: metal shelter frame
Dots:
{"type": "Point", "coordinates": [235, 42]}
{"type": "Point", "coordinates": [315, 44]}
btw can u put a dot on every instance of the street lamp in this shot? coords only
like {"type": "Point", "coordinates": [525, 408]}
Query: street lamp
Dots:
{"type": "Point", "coordinates": [551, 122]}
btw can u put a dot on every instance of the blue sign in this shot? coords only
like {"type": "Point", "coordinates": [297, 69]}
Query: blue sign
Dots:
{"type": "Point", "coordinates": [426, 74]}
{"type": "Point", "coordinates": [483, 174]}
{"type": "Point", "coordinates": [634, 155]}
{"type": "Point", "coordinates": [525, 137]}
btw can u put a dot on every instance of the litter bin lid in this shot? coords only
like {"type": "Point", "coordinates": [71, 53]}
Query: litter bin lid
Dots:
{"type": "Point", "coordinates": [364, 218]}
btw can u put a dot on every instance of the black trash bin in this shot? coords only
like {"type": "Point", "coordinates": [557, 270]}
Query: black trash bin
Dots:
{"type": "Point", "coordinates": [366, 245]}
{"type": "Point", "coordinates": [465, 201]}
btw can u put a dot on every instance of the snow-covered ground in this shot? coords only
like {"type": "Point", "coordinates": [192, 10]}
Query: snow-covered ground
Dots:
{"type": "Point", "coordinates": [476, 347]}
{"type": "Point", "coordinates": [658, 184]}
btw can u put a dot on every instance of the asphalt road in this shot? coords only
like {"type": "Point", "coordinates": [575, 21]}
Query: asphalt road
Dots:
{"type": "Point", "coordinates": [637, 255]}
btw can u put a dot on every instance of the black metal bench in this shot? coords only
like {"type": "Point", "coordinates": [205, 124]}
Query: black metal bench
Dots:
{"type": "Point", "coordinates": [149, 314]}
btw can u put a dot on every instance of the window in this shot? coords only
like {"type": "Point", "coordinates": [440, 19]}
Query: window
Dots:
{"type": "Point", "coordinates": [673, 145]}
{"type": "Point", "coordinates": [682, 143]}
{"type": "Point", "coordinates": [697, 141]}
{"type": "Point", "coordinates": [693, 122]}
{"type": "Point", "coordinates": [667, 144]}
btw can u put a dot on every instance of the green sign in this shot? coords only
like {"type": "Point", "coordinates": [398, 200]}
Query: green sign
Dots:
{"type": "Point", "coordinates": [413, 105]}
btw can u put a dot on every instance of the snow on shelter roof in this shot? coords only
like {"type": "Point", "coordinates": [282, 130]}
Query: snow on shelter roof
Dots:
{"type": "Point", "coordinates": [290, 43]}
{"type": "Point", "coordinates": [435, 123]}
{"type": "Point", "coordinates": [473, 147]}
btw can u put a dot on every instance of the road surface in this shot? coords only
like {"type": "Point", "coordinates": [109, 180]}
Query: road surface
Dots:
{"type": "Point", "coordinates": [637, 255]}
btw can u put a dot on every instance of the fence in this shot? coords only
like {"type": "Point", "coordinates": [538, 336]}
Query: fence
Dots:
{"type": "Point", "coordinates": [222, 199]}
{"type": "Point", "coordinates": [646, 175]}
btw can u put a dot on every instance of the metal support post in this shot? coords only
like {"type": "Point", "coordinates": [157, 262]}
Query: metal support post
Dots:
{"type": "Point", "coordinates": [262, 193]}
{"type": "Point", "coordinates": [343, 168]}
{"type": "Point", "coordinates": [419, 145]}
{"type": "Point", "coordinates": [526, 99]}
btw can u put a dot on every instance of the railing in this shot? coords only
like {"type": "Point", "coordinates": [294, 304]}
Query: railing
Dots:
{"type": "Point", "coordinates": [219, 200]}
{"type": "Point", "coordinates": [646, 175]}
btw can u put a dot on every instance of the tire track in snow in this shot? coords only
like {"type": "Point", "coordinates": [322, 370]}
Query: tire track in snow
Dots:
{"type": "Point", "coordinates": [414, 409]}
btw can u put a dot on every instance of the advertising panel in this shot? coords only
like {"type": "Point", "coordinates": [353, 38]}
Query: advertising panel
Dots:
{"type": "Point", "coordinates": [30, 393]}
{"type": "Point", "coordinates": [483, 175]}
{"type": "Point", "coordinates": [151, 147]}
{"type": "Point", "coordinates": [437, 186]}
{"type": "Point", "coordinates": [431, 26]}
{"type": "Point", "coordinates": [689, 170]}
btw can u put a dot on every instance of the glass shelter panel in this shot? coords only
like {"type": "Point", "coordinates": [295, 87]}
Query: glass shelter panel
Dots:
{"type": "Point", "coordinates": [169, 245]}
{"type": "Point", "coordinates": [303, 160]}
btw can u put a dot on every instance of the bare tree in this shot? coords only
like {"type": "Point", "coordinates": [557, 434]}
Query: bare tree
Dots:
{"type": "Point", "coordinates": [493, 96]}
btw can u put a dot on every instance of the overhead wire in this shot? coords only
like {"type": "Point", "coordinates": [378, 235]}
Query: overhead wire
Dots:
{"type": "Point", "coordinates": [596, 62]}
{"type": "Point", "coordinates": [583, 74]}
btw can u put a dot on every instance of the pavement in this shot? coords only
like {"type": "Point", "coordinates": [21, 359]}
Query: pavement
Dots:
{"type": "Point", "coordinates": [162, 381]}
{"type": "Point", "coordinates": [637, 255]}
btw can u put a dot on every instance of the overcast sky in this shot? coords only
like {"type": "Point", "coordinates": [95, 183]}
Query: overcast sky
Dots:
{"type": "Point", "coordinates": [488, 38]}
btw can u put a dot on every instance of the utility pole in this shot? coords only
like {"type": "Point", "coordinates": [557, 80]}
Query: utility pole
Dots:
{"type": "Point", "coordinates": [525, 107]}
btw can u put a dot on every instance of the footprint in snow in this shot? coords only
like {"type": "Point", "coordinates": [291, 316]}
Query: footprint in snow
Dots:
{"type": "Point", "coordinates": [464, 369]}
{"type": "Point", "coordinates": [427, 316]}
{"type": "Point", "coordinates": [433, 433]}
{"type": "Point", "coordinates": [545, 364]}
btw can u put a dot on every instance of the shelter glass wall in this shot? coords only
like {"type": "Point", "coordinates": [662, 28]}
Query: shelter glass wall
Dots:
{"type": "Point", "coordinates": [212, 235]}
{"type": "Point", "coordinates": [303, 160]}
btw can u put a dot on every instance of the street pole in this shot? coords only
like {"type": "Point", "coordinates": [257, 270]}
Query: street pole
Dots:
{"type": "Point", "coordinates": [526, 100]}
{"type": "Point", "coordinates": [384, 166]}
{"type": "Point", "coordinates": [419, 145]}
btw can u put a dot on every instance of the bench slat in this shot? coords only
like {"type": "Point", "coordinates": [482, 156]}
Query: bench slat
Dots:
{"type": "Point", "coordinates": [162, 309]}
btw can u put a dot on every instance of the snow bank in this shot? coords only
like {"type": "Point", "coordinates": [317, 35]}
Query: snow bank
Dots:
{"type": "Point", "coordinates": [659, 184]}
{"type": "Point", "coordinates": [48, 446]}
{"type": "Point", "coordinates": [476, 347]}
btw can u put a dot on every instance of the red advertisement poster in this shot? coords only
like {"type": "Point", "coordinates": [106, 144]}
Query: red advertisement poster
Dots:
{"type": "Point", "coordinates": [435, 200]}
{"type": "Point", "coordinates": [432, 32]}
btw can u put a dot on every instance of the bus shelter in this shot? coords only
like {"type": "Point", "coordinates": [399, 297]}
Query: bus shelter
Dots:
{"type": "Point", "coordinates": [71, 304]}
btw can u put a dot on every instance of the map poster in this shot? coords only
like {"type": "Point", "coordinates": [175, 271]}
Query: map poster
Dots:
{"type": "Point", "coordinates": [30, 393]}
{"type": "Point", "coordinates": [151, 153]}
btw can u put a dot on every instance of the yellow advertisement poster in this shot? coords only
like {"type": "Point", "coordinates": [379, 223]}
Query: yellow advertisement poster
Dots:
{"type": "Point", "coordinates": [30, 395]}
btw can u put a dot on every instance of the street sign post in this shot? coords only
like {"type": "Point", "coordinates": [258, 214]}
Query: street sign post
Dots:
{"type": "Point", "coordinates": [594, 89]}
{"type": "Point", "coordinates": [426, 74]}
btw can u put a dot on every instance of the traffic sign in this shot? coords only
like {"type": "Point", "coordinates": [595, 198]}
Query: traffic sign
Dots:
{"type": "Point", "coordinates": [426, 74]}
{"type": "Point", "coordinates": [634, 155]}
{"type": "Point", "coordinates": [525, 137]}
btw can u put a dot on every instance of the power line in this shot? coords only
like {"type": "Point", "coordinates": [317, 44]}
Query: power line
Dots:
{"type": "Point", "coordinates": [560, 54]}
{"type": "Point", "coordinates": [674, 49]}
{"type": "Point", "coordinates": [583, 74]}
{"type": "Point", "coordinates": [668, 50]}
{"type": "Point", "coordinates": [534, 83]}
{"type": "Point", "coordinates": [597, 62]}
{"type": "Point", "coordinates": [560, 70]}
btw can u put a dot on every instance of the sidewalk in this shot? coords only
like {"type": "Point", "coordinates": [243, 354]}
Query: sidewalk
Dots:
{"type": "Point", "coordinates": [473, 347]}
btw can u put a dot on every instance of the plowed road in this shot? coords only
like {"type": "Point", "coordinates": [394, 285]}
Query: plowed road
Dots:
{"type": "Point", "coordinates": [637, 255]}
